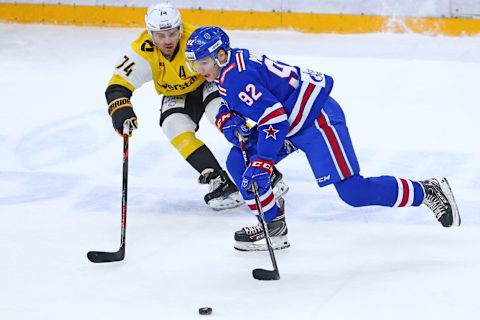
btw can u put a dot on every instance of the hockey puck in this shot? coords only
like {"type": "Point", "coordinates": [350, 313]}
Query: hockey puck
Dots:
{"type": "Point", "coordinates": [205, 311]}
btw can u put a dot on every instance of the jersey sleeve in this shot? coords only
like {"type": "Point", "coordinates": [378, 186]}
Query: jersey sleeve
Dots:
{"type": "Point", "coordinates": [131, 71]}
{"type": "Point", "coordinates": [249, 97]}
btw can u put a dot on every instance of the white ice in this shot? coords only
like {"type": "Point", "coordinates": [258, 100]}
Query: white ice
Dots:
{"type": "Point", "coordinates": [412, 107]}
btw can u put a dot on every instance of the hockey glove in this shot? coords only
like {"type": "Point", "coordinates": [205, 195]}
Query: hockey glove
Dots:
{"type": "Point", "coordinates": [231, 124]}
{"type": "Point", "coordinates": [258, 172]}
{"type": "Point", "coordinates": [121, 110]}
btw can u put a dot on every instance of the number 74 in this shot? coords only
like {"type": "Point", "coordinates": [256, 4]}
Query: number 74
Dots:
{"type": "Point", "coordinates": [128, 69]}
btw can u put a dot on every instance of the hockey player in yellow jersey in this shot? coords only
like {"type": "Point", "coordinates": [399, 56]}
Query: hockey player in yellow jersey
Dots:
{"type": "Point", "coordinates": [158, 54]}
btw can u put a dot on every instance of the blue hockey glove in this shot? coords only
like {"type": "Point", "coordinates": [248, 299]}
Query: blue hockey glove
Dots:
{"type": "Point", "coordinates": [258, 172]}
{"type": "Point", "coordinates": [231, 124]}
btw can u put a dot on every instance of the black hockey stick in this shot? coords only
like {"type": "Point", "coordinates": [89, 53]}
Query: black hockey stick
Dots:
{"type": "Point", "coordinates": [261, 274]}
{"type": "Point", "coordinates": [102, 256]}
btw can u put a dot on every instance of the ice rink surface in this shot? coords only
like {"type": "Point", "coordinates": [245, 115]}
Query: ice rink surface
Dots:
{"type": "Point", "coordinates": [412, 106]}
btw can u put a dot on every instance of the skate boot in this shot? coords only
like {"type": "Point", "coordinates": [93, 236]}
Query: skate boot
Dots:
{"type": "Point", "coordinates": [439, 198]}
{"type": "Point", "coordinates": [278, 185]}
{"type": "Point", "coordinates": [253, 239]}
{"type": "Point", "coordinates": [223, 193]}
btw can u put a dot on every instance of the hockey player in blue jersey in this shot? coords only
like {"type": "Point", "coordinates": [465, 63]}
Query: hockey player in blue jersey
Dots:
{"type": "Point", "coordinates": [293, 109]}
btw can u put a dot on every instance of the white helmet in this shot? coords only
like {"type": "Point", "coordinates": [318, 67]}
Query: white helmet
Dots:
{"type": "Point", "coordinates": [162, 16]}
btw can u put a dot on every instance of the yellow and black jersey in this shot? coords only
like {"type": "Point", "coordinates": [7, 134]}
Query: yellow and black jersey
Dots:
{"type": "Point", "coordinates": [143, 62]}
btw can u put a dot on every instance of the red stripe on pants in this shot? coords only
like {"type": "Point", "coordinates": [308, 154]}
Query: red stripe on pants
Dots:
{"type": "Point", "coordinates": [337, 152]}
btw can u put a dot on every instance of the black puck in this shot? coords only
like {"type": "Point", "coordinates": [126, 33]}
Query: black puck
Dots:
{"type": "Point", "coordinates": [205, 311]}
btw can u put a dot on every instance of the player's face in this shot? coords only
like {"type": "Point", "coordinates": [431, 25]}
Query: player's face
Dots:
{"type": "Point", "coordinates": [166, 40]}
{"type": "Point", "coordinates": [207, 67]}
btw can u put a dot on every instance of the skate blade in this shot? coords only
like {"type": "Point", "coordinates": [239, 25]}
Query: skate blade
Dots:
{"type": "Point", "coordinates": [280, 189]}
{"type": "Point", "coordinates": [232, 201]}
{"type": "Point", "coordinates": [445, 186]}
{"type": "Point", "coordinates": [278, 243]}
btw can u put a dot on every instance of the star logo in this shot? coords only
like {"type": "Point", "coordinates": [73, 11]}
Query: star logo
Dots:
{"type": "Point", "coordinates": [271, 132]}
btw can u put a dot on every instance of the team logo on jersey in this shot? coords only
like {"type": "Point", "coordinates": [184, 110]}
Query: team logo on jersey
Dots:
{"type": "Point", "coordinates": [147, 46]}
{"type": "Point", "coordinates": [178, 86]}
{"type": "Point", "coordinates": [271, 132]}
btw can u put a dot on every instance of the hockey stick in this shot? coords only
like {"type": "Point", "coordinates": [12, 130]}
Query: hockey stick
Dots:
{"type": "Point", "coordinates": [261, 274]}
{"type": "Point", "coordinates": [102, 256]}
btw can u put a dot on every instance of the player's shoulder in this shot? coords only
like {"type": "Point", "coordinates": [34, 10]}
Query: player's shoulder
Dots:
{"type": "Point", "coordinates": [143, 45]}
{"type": "Point", "coordinates": [245, 69]}
{"type": "Point", "coordinates": [246, 59]}
{"type": "Point", "coordinates": [237, 71]}
{"type": "Point", "coordinates": [241, 59]}
{"type": "Point", "coordinates": [238, 66]}
{"type": "Point", "coordinates": [247, 64]}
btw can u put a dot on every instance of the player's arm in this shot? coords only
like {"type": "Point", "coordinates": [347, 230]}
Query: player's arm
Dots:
{"type": "Point", "coordinates": [230, 123]}
{"type": "Point", "coordinates": [130, 73]}
{"type": "Point", "coordinates": [257, 103]}
{"type": "Point", "coordinates": [120, 108]}
{"type": "Point", "coordinates": [249, 97]}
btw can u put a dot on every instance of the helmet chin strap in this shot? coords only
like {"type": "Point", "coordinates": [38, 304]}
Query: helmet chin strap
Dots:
{"type": "Point", "coordinates": [221, 65]}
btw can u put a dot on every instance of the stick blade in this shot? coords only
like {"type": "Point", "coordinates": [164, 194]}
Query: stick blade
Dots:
{"type": "Point", "coordinates": [262, 274]}
{"type": "Point", "coordinates": [101, 256]}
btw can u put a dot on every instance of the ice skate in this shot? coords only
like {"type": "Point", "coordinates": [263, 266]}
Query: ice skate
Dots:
{"type": "Point", "coordinates": [279, 186]}
{"type": "Point", "coordinates": [253, 239]}
{"type": "Point", "coordinates": [439, 198]}
{"type": "Point", "coordinates": [223, 193]}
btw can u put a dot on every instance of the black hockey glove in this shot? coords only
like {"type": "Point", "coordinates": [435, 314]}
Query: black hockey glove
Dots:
{"type": "Point", "coordinates": [121, 110]}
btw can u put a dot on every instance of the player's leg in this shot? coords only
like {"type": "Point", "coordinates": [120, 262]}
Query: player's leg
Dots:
{"type": "Point", "coordinates": [386, 191]}
{"type": "Point", "coordinates": [179, 122]}
{"type": "Point", "coordinates": [336, 154]}
{"type": "Point", "coordinates": [391, 191]}
{"type": "Point", "coordinates": [252, 238]}
{"type": "Point", "coordinates": [206, 100]}
{"type": "Point", "coordinates": [328, 147]}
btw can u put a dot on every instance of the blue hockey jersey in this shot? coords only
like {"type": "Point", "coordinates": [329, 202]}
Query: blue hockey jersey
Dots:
{"type": "Point", "coordinates": [280, 98]}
